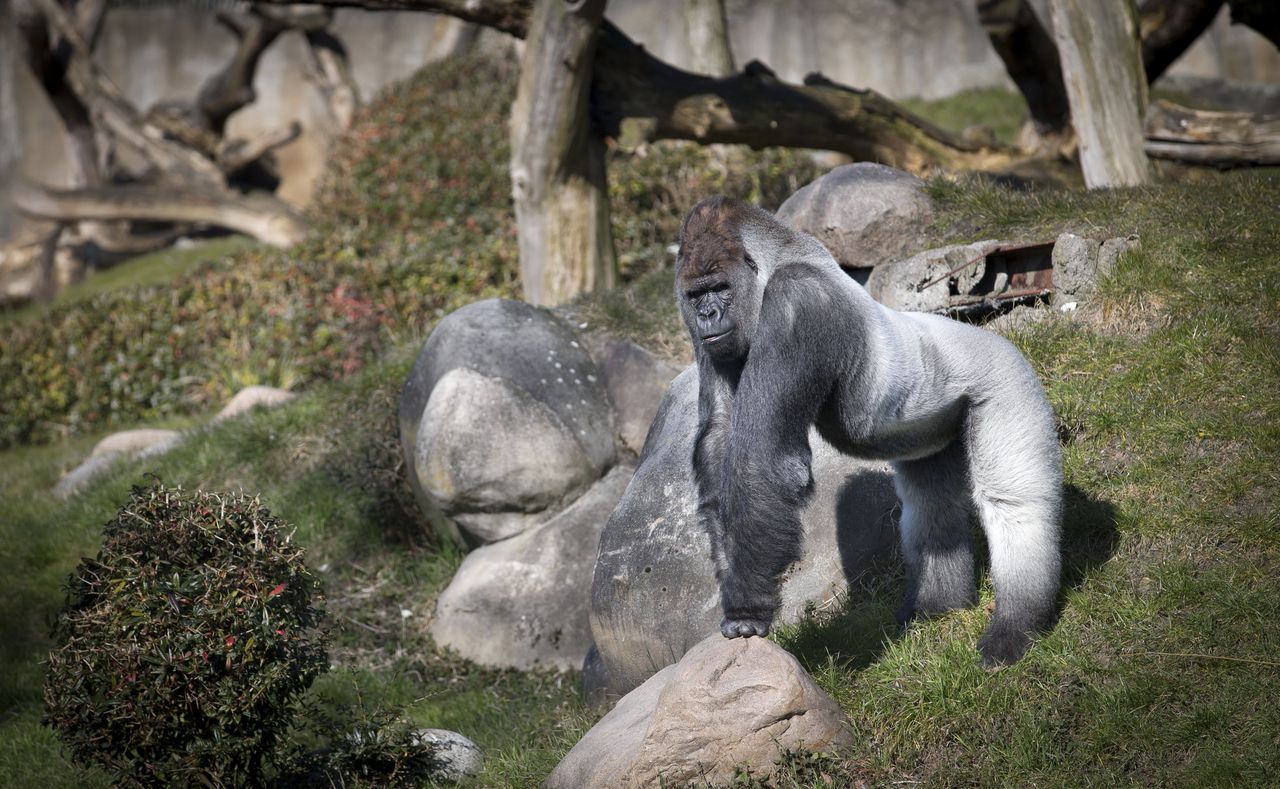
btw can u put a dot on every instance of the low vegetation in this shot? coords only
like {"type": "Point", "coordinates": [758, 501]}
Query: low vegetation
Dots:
{"type": "Point", "coordinates": [413, 222]}
{"type": "Point", "coordinates": [1162, 669]}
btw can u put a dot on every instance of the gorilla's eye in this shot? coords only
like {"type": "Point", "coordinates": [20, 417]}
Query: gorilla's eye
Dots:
{"type": "Point", "coordinates": [750, 261]}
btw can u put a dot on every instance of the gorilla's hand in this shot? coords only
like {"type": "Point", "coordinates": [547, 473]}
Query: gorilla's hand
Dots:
{"type": "Point", "coordinates": [744, 628]}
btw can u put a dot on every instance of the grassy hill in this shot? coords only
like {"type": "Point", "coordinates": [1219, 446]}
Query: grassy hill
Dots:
{"type": "Point", "coordinates": [1163, 669]}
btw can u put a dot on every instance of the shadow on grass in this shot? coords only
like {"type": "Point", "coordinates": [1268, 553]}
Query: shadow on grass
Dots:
{"type": "Point", "coordinates": [859, 633]}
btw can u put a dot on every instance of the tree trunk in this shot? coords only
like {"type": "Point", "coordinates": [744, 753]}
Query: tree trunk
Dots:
{"type": "Point", "coordinates": [1102, 68]}
{"type": "Point", "coordinates": [557, 162]}
{"type": "Point", "coordinates": [1031, 59]}
{"type": "Point", "coordinates": [708, 29]}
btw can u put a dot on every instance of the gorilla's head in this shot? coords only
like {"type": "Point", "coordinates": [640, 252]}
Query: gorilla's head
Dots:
{"type": "Point", "coordinates": [717, 281]}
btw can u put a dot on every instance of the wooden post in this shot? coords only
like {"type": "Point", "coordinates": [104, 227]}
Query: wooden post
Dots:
{"type": "Point", "coordinates": [557, 163]}
{"type": "Point", "coordinates": [1106, 86]}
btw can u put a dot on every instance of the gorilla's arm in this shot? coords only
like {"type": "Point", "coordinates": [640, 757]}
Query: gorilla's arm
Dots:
{"type": "Point", "coordinates": [790, 372]}
{"type": "Point", "coordinates": [709, 448]}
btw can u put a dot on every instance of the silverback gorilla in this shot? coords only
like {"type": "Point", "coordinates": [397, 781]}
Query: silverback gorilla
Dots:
{"type": "Point", "coordinates": [786, 340]}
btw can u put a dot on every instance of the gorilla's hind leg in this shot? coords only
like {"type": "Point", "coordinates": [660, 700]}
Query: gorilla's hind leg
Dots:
{"type": "Point", "coordinates": [934, 527]}
{"type": "Point", "coordinates": [1017, 489]}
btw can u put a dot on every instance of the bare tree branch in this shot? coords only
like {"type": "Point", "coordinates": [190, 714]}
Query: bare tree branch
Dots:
{"type": "Point", "coordinates": [114, 115]}
{"type": "Point", "coordinates": [258, 215]}
{"type": "Point", "coordinates": [1169, 27]}
{"type": "Point", "coordinates": [1222, 139]}
{"type": "Point", "coordinates": [234, 155]}
{"type": "Point", "coordinates": [509, 16]}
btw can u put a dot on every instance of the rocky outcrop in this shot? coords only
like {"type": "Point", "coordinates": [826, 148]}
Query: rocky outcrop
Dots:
{"type": "Point", "coordinates": [504, 420]}
{"type": "Point", "coordinates": [866, 214]}
{"type": "Point", "coordinates": [728, 704]}
{"type": "Point", "coordinates": [654, 594]}
{"type": "Point", "coordinates": [523, 602]}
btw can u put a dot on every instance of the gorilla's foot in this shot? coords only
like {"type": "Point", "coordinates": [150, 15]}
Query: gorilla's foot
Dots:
{"type": "Point", "coordinates": [1002, 646]}
{"type": "Point", "coordinates": [744, 628]}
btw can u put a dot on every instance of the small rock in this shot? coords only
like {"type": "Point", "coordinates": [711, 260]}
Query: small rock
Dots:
{"type": "Point", "coordinates": [458, 756]}
{"type": "Point", "coordinates": [865, 213]}
{"type": "Point", "coordinates": [134, 442]}
{"type": "Point", "coordinates": [75, 480]}
{"type": "Point", "coordinates": [251, 397]}
{"type": "Point", "coordinates": [1075, 267]}
{"type": "Point", "coordinates": [728, 703]}
{"type": "Point", "coordinates": [523, 602]}
{"type": "Point", "coordinates": [141, 443]}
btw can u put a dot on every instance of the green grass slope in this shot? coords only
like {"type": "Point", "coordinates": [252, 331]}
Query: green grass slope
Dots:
{"type": "Point", "coordinates": [1165, 664]}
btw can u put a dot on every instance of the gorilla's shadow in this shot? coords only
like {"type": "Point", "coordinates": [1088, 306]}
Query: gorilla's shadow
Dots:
{"type": "Point", "coordinates": [858, 632]}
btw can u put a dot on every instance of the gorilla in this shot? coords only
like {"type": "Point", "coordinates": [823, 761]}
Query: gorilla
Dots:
{"type": "Point", "coordinates": [786, 340]}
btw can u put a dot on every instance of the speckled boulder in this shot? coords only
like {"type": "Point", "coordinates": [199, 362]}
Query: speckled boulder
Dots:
{"type": "Point", "coordinates": [504, 420]}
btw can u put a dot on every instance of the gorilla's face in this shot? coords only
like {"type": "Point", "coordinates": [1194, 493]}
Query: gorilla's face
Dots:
{"type": "Point", "coordinates": [716, 282]}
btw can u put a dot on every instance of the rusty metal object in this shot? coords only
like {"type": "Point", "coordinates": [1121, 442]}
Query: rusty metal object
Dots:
{"type": "Point", "coordinates": [1009, 272]}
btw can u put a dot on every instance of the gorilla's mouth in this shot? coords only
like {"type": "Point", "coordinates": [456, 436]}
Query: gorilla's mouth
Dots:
{"type": "Point", "coordinates": [711, 338]}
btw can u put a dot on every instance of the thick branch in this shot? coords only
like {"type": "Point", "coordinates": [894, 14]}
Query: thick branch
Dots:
{"type": "Point", "coordinates": [1168, 27]}
{"type": "Point", "coordinates": [234, 155]}
{"type": "Point", "coordinates": [114, 115]}
{"type": "Point", "coordinates": [258, 215]}
{"type": "Point", "coordinates": [639, 98]}
{"type": "Point", "coordinates": [1222, 139]}
{"type": "Point", "coordinates": [331, 70]}
{"type": "Point", "coordinates": [1031, 58]}
{"type": "Point", "coordinates": [232, 88]}
{"type": "Point", "coordinates": [48, 63]}
{"type": "Point", "coordinates": [509, 16]}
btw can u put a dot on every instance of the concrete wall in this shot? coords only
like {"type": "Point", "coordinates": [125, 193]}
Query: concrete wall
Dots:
{"type": "Point", "coordinates": [927, 48]}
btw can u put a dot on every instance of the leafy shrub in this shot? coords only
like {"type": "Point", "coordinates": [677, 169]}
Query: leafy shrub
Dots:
{"type": "Point", "coordinates": [184, 646]}
{"type": "Point", "coordinates": [413, 220]}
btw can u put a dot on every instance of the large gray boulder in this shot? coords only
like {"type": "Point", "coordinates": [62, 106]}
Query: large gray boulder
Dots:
{"type": "Point", "coordinates": [504, 420]}
{"type": "Point", "coordinates": [865, 213]}
{"type": "Point", "coordinates": [654, 595]}
{"type": "Point", "coordinates": [728, 704]}
{"type": "Point", "coordinates": [523, 602]}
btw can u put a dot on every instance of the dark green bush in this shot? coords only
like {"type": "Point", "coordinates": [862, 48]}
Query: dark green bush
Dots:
{"type": "Point", "coordinates": [184, 646]}
{"type": "Point", "coordinates": [413, 220]}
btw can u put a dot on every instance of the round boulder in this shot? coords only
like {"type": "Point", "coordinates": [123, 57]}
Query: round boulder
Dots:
{"type": "Point", "coordinates": [865, 213]}
{"type": "Point", "coordinates": [728, 704]}
{"type": "Point", "coordinates": [654, 595]}
{"type": "Point", "coordinates": [504, 420]}
{"type": "Point", "coordinates": [523, 602]}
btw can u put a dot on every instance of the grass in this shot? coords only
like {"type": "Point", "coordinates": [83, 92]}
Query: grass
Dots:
{"type": "Point", "coordinates": [1000, 110]}
{"type": "Point", "coordinates": [1162, 670]}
